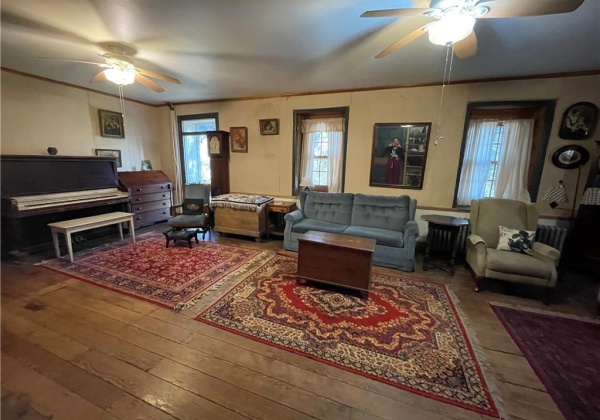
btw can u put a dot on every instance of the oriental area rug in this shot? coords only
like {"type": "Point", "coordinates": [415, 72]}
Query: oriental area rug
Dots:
{"type": "Point", "coordinates": [168, 277]}
{"type": "Point", "coordinates": [407, 334]}
{"type": "Point", "coordinates": [563, 352]}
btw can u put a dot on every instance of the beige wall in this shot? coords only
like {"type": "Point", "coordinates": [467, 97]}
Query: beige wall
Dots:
{"type": "Point", "coordinates": [266, 168]}
{"type": "Point", "coordinates": [38, 114]}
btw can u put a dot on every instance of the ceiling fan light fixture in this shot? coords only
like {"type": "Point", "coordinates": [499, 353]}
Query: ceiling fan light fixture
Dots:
{"type": "Point", "coordinates": [121, 75]}
{"type": "Point", "coordinates": [451, 28]}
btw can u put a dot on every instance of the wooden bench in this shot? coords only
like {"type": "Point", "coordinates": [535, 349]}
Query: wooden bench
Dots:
{"type": "Point", "coordinates": [67, 227]}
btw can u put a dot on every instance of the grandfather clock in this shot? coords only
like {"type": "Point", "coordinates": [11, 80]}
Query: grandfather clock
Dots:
{"type": "Point", "coordinates": [218, 150]}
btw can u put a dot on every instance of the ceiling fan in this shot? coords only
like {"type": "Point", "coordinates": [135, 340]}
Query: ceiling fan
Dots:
{"type": "Point", "coordinates": [453, 20]}
{"type": "Point", "coordinates": [120, 69]}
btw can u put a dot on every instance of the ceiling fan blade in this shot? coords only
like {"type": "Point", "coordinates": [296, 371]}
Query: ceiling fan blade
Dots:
{"type": "Point", "coordinates": [144, 81]}
{"type": "Point", "coordinates": [100, 77]}
{"type": "Point", "coordinates": [516, 8]}
{"type": "Point", "coordinates": [466, 47]}
{"type": "Point", "coordinates": [158, 75]}
{"type": "Point", "coordinates": [394, 12]}
{"type": "Point", "coordinates": [74, 61]}
{"type": "Point", "coordinates": [402, 42]}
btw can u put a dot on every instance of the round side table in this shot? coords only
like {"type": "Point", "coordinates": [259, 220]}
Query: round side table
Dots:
{"type": "Point", "coordinates": [439, 224]}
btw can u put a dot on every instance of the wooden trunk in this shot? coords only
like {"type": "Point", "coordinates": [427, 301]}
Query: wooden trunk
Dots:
{"type": "Point", "coordinates": [240, 222]}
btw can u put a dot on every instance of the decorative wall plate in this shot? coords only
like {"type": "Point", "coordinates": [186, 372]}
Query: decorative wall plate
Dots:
{"type": "Point", "coordinates": [570, 157]}
{"type": "Point", "coordinates": [579, 121]}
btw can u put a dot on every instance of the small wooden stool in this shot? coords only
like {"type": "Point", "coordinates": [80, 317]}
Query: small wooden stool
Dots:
{"type": "Point", "coordinates": [181, 235]}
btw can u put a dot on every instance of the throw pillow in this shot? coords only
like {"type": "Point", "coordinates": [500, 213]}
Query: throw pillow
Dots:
{"type": "Point", "coordinates": [516, 240]}
{"type": "Point", "coordinates": [193, 206]}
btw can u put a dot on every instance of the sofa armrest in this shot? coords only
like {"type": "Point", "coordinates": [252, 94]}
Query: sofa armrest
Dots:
{"type": "Point", "coordinates": [411, 229]}
{"type": "Point", "coordinates": [475, 239]}
{"type": "Point", "coordinates": [294, 216]}
{"type": "Point", "coordinates": [545, 252]}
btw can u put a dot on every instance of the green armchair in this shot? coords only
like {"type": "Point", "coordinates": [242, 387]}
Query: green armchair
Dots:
{"type": "Point", "coordinates": [487, 215]}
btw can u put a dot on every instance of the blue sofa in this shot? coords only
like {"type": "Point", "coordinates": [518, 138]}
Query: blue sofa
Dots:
{"type": "Point", "coordinates": [388, 220]}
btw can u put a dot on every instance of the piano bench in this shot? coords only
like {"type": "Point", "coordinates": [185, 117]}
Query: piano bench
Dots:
{"type": "Point", "coordinates": [67, 227]}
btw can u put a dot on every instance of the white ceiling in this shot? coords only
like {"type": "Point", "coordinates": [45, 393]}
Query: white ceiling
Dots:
{"type": "Point", "coordinates": [250, 48]}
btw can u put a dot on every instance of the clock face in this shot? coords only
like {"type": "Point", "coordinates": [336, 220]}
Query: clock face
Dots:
{"type": "Point", "coordinates": [215, 145]}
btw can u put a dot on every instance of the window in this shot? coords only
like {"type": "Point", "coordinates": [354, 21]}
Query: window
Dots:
{"type": "Point", "coordinates": [496, 147]}
{"type": "Point", "coordinates": [503, 150]}
{"type": "Point", "coordinates": [319, 147]}
{"type": "Point", "coordinates": [195, 162]}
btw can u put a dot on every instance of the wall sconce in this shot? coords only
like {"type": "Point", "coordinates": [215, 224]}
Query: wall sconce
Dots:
{"type": "Point", "coordinates": [306, 184]}
{"type": "Point", "coordinates": [556, 194]}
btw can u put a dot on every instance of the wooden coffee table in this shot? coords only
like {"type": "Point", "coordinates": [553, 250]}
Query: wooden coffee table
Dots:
{"type": "Point", "coordinates": [340, 260]}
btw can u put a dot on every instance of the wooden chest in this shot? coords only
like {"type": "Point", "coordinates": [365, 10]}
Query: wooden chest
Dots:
{"type": "Point", "coordinates": [150, 195]}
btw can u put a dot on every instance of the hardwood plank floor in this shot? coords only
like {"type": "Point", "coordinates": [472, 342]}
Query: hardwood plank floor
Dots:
{"type": "Point", "coordinates": [73, 350]}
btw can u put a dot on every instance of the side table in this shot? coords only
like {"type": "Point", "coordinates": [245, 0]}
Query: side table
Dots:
{"type": "Point", "coordinates": [437, 225]}
{"type": "Point", "coordinates": [280, 209]}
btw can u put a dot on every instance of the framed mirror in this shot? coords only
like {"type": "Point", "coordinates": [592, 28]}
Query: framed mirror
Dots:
{"type": "Point", "coordinates": [399, 155]}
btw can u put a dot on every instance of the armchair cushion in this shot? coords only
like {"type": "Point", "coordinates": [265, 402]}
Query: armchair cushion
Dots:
{"type": "Point", "coordinates": [517, 263]}
{"type": "Point", "coordinates": [517, 240]}
{"type": "Point", "coordinates": [192, 206]}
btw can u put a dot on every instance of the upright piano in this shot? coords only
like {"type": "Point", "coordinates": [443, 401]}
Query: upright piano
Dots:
{"type": "Point", "coordinates": [37, 190]}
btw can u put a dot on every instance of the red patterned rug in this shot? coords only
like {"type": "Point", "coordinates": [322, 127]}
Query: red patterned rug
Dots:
{"type": "Point", "coordinates": [146, 270]}
{"type": "Point", "coordinates": [563, 352]}
{"type": "Point", "coordinates": [407, 334]}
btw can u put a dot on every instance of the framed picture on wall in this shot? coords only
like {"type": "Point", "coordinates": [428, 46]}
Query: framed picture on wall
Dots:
{"type": "Point", "coordinates": [239, 139]}
{"type": "Point", "coordinates": [111, 124]}
{"type": "Point", "coordinates": [110, 153]}
{"type": "Point", "coordinates": [269, 126]}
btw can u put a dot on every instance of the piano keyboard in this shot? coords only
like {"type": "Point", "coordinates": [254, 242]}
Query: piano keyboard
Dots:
{"type": "Point", "coordinates": [31, 202]}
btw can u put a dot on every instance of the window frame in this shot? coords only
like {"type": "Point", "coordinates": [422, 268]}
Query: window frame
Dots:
{"type": "Point", "coordinates": [542, 111]}
{"type": "Point", "coordinates": [180, 121]}
{"type": "Point", "coordinates": [298, 116]}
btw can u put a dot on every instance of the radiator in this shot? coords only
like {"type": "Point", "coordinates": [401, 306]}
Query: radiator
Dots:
{"type": "Point", "coordinates": [552, 236]}
{"type": "Point", "coordinates": [441, 240]}
{"type": "Point", "coordinates": [549, 235]}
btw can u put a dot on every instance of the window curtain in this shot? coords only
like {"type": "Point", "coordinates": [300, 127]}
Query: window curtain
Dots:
{"type": "Point", "coordinates": [514, 160]}
{"type": "Point", "coordinates": [178, 191]}
{"type": "Point", "coordinates": [334, 127]}
{"type": "Point", "coordinates": [476, 161]}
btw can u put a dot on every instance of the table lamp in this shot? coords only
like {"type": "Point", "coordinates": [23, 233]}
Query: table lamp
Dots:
{"type": "Point", "coordinates": [306, 183]}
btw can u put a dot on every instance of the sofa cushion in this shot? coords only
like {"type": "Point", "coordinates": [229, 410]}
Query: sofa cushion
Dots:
{"type": "Point", "coordinates": [382, 236]}
{"type": "Point", "coordinates": [305, 225]}
{"type": "Point", "coordinates": [329, 207]}
{"type": "Point", "coordinates": [377, 211]}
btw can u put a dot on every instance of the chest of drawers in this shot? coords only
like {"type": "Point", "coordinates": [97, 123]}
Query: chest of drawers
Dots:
{"type": "Point", "coordinates": [150, 195]}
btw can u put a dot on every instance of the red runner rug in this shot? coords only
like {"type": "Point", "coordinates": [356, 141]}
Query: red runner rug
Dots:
{"type": "Point", "coordinates": [563, 352]}
{"type": "Point", "coordinates": [148, 271]}
{"type": "Point", "coordinates": [407, 333]}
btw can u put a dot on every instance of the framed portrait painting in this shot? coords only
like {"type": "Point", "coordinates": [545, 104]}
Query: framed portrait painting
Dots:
{"type": "Point", "coordinates": [269, 126]}
{"type": "Point", "coordinates": [579, 121]}
{"type": "Point", "coordinates": [111, 124]}
{"type": "Point", "coordinates": [239, 139]}
{"type": "Point", "coordinates": [110, 153]}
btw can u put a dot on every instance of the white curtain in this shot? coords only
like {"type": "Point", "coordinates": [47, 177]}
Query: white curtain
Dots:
{"type": "Point", "coordinates": [514, 161]}
{"type": "Point", "coordinates": [334, 127]}
{"type": "Point", "coordinates": [178, 190]}
{"type": "Point", "coordinates": [476, 161]}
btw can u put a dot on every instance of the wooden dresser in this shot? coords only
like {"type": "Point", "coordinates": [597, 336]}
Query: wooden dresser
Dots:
{"type": "Point", "coordinates": [150, 195]}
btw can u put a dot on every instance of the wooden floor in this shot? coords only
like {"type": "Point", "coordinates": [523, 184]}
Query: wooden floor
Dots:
{"type": "Point", "coordinates": [71, 350]}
